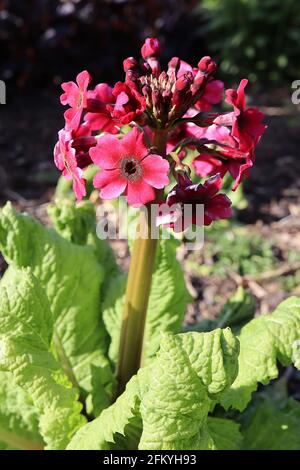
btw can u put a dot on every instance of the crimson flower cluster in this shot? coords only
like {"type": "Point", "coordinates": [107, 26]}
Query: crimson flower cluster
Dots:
{"type": "Point", "coordinates": [139, 133]}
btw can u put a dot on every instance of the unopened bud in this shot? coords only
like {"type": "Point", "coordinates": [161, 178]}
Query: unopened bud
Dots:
{"type": "Point", "coordinates": [207, 65]}
{"type": "Point", "coordinates": [184, 82]}
{"type": "Point", "coordinates": [130, 64]}
{"type": "Point", "coordinates": [151, 48]}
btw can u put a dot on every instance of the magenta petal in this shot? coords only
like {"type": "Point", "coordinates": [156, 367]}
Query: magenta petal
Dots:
{"type": "Point", "coordinates": [72, 117]}
{"type": "Point", "coordinates": [70, 95]}
{"type": "Point", "coordinates": [155, 171]}
{"type": "Point", "coordinates": [219, 208]}
{"type": "Point", "coordinates": [110, 183]}
{"type": "Point", "coordinates": [133, 144]}
{"type": "Point", "coordinates": [107, 153]}
{"type": "Point", "coordinates": [139, 193]}
{"type": "Point", "coordinates": [79, 184]}
{"type": "Point", "coordinates": [83, 79]}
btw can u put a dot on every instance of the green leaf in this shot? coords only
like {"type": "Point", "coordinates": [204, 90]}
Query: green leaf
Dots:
{"type": "Point", "coordinates": [72, 278]}
{"type": "Point", "coordinates": [121, 418]}
{"type": "Point", "coordinates": [18, 417]}
{"type": "Point", "coordinates": [170, 398]}
{"type": "Point", "coordinates": [77, 224]}
{"type": "Point", "coordinates": [168, 297]}
{"type": "Point", "coordinates": [272, 425]}
{"type": "Point", "coordinates": [26, 325]}
{"type": "Point", "coordinates": [177, 389]}
{"type": "Point", "coordinates": [224, 433]}
{"type": "Point", "coordinates": [263, 341]}
{"type": "Point", "coordinates": [167, 302]}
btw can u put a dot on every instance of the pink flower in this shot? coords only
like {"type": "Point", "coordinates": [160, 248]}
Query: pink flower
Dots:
{"type": "Point", "coordinates": [151, 48]}
{"type": "Point", "coordinates": [65, 160]}
{"type": "Point", "coordinates": [75, 96]}
{"type": "Point", "coordinates": [247, 126]}
{"type": "Point", "coordinates": [128, 167]}
{"type": "Point", "coordinates": [216, 206]}
{"type": "Point", "coordinates": [228, 157]}
{"type": "Point", "coordinates": [99, 117]}
{"type": "Point", "coordinates": [129, 103]}
{"type": "Point", "coordinates": [212, 95]}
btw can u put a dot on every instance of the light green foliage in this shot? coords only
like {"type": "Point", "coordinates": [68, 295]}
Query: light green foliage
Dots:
{"type": "Point", "coordinates": [101, 433]}
{"type": "Point", "coordinates": [78, 225]}
{"type": "Point", "coordinates": [72, 278]}
{"type": "Point", "coordinates": [56, 352]}
{"type": "Point", "coordinates": [172, 396]}
{"type": "Point", "coordinates": [263, 341]}
{"type": "Point", "coordinates": [167, 302]}
{"type": "Point", "coordinates": [26, 326]}
{"type": "Point", "coordinates": [18, 416]}
{"type": "Point", "coordinates": [178, 387]}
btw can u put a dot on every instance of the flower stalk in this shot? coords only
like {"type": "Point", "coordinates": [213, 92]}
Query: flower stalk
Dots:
{"type": "Point", "coordinates": [138, 290]}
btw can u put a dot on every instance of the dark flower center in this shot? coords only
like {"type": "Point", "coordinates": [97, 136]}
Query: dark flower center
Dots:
{"type": "Point", "coordinates": [131, 168]}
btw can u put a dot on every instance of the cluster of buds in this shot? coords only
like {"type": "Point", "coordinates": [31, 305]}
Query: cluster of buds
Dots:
{"type": "Point", "coordinates": [177, 103]}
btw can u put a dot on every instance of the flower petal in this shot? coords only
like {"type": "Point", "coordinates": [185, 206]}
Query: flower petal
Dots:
{"type": "Point", "coordinates": [133, 144]}
{"type": "Point", "coordinates": [155, 171]}
{"type": "Point", "coordinates": [139, 193]}
{"type": "Point", "coordinates": [107, 152]}
{"type": "Point", "coordinates": [83, 79]}
{"type": "Point", "coordinates": [110, 183]}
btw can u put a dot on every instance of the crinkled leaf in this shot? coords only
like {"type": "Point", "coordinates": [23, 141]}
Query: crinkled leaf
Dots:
{"type": "Point", "coordinates": [225, 434]}
{"type": "Point", "coordinates": [263, 341]}
{"type": "Point", "coordinates": [77, 223]}
{"type": "Point", "coordinates": [72, 278]}
{"type": "Point", "coordinates": [172, 396]}
{"type": "Point", "coordinates": [167, 302]}
{"type": "Point", "coordinates": [26, 325]}
{"type": "Point", "coordinates": [177, 389]}
{"type": "Point", "coordinates": [18, 416]}
{"type": "Point", "coordinates": [121, 418]}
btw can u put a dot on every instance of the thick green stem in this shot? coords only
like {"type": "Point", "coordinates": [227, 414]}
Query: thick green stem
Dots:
{"type": "Point", "coordinates": [137, 292]}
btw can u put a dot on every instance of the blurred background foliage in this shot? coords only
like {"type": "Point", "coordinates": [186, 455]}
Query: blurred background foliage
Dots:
{"type": "Point", "coordinates": [52, 39]}
{"type": "Point", "coordinates": [253, 38]}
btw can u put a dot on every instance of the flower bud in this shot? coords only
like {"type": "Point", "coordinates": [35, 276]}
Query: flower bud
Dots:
{"type": "Point", "coordinates": [173, 66]}
{"type": "Point", "coordinates": [207, 65]}
{"type": "Point", "coordinates": [184, 82]}
{"type": "Point", "coordinates": [151, 48]}
{"type": "Point", "coordinates": [130, 64]}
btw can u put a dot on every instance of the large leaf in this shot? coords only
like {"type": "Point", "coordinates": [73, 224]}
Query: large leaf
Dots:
{"type": "Point", "coordinates": [172, 396]}
{"type": "Point", "coordinates": [72, 278]}
{"type": "Point", "coordinates": [18, 417]}
{"type": "Point", "coordinates": [77, 223]}
{"type": "Point", "coordinates": [225, 433]}
{"type": "Point", "coordinates": [167, 302]}
{"type": "Point", "coordinates": [26, 325]}
{"type": "Point", "coordinates": [116, 420]}
{"type": "Point", "coordinates": [177, 389]}
{"type": "Point", "coordinates": [168, 297]}
{"type": "Point", "coordinates": [263, 341]}
{"type": "Point", "coordinates": [272, 422]}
